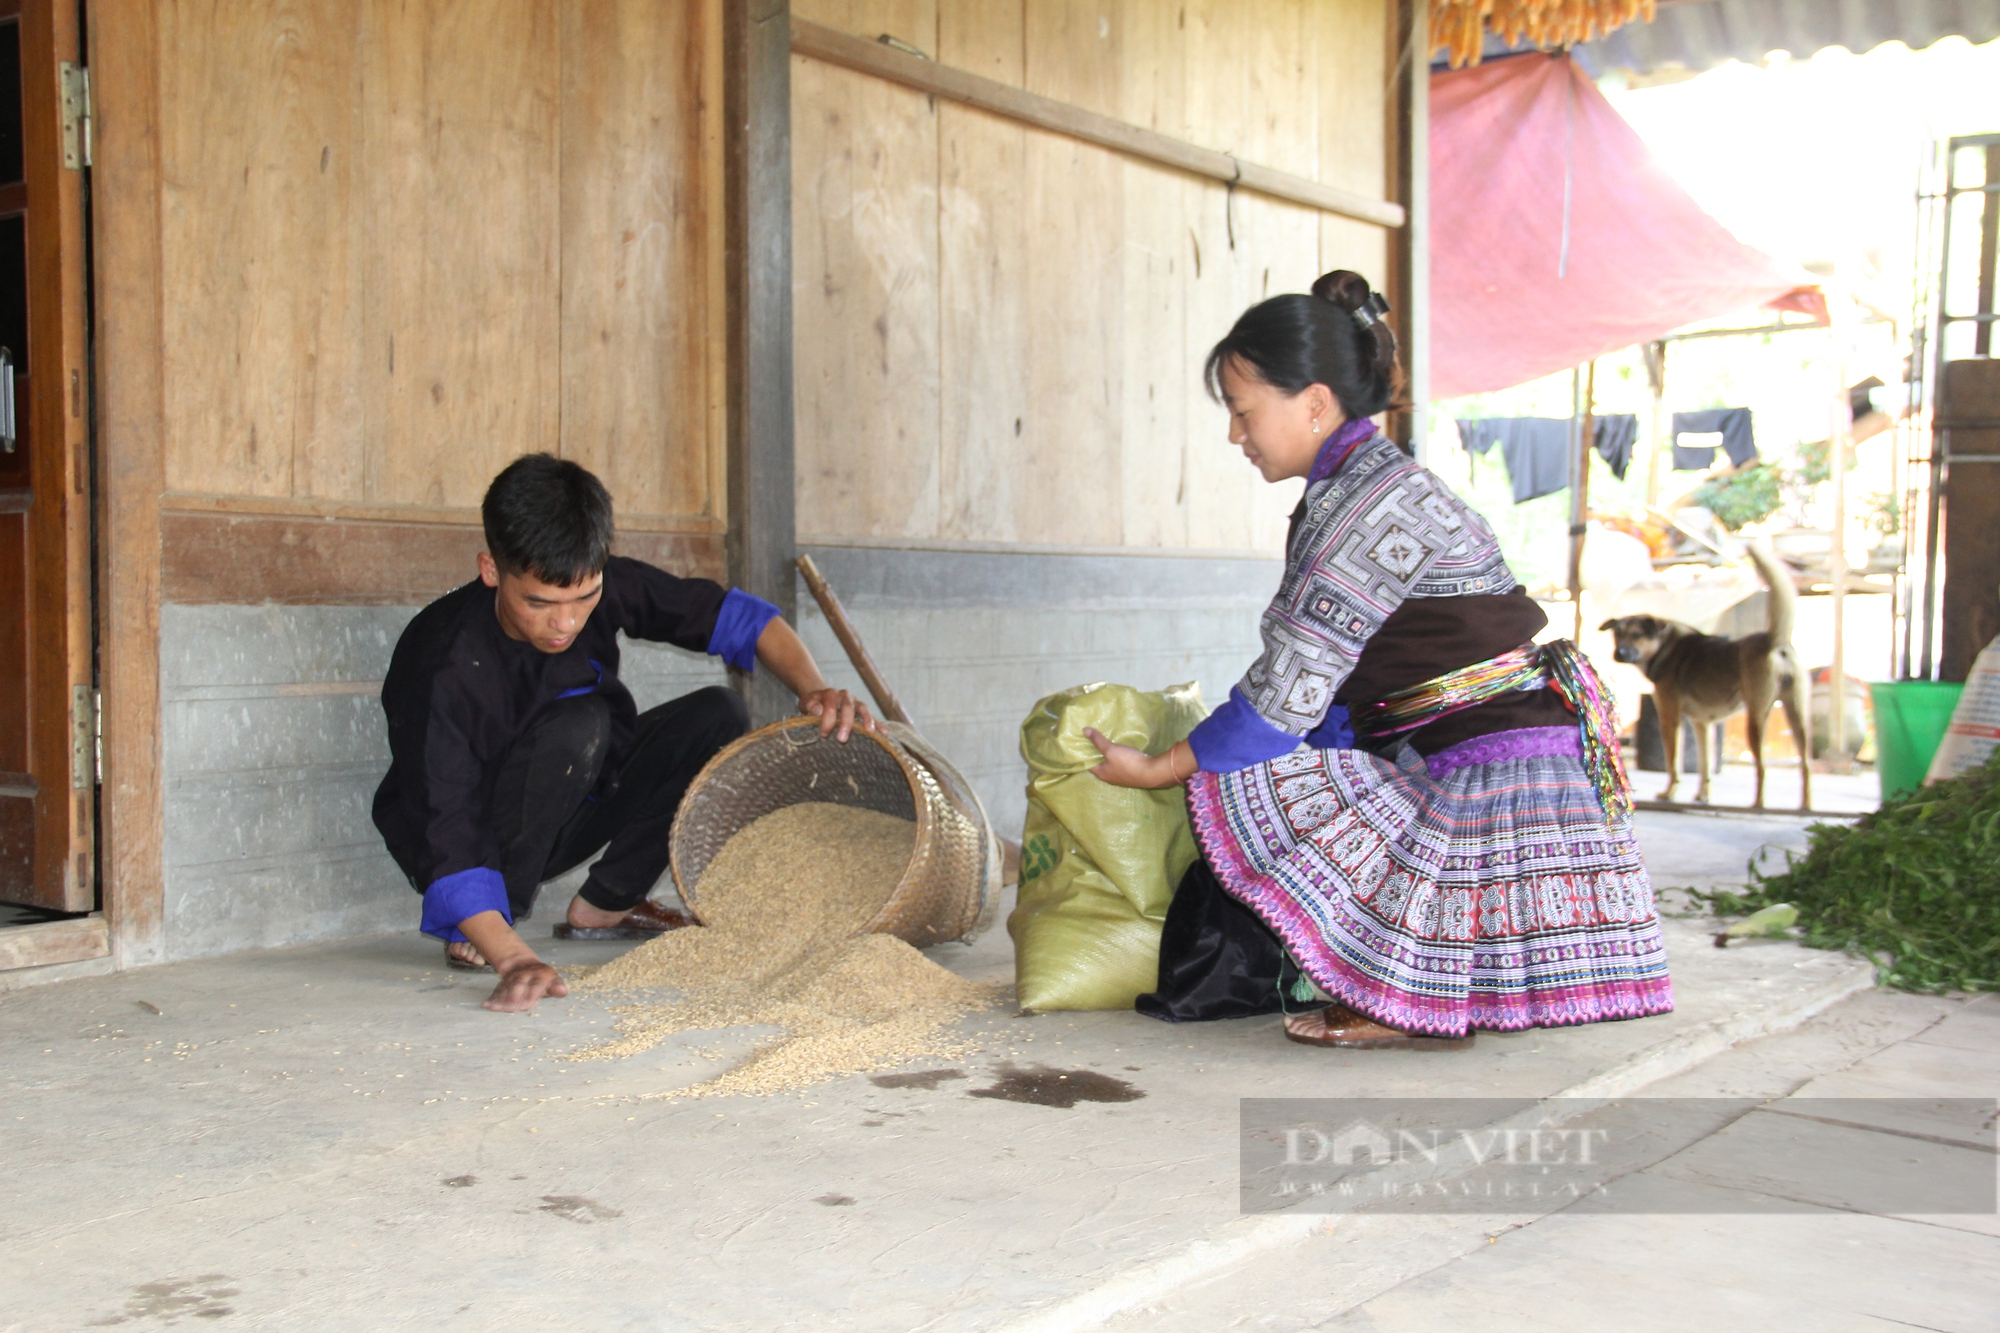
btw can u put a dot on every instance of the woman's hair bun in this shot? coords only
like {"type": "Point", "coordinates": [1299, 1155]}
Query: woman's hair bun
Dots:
{"type": "Point", "coordinates": [1344, 287]}
{"type": "Point", "coordinates": [1351, 292]}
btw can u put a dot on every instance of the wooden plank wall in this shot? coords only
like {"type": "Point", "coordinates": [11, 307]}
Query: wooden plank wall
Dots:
{"type": "Point", "coordinates": [1000, 330]}
{"type": "Point", "coordinates": [403, 242]}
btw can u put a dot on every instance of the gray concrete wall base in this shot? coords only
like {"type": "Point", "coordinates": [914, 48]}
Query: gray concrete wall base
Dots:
{"type": "Point", "coordinates": [273, 744]}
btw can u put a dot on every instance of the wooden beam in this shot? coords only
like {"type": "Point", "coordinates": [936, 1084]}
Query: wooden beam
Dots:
{"type": "Point", "coordinates": [1408, 283]}
{"type": "Point", "coordinates": [1003, 99]}
{"type": "Point", "coordinates": [757, 165]}
{"type": "Point", "coordinates": [250, 559]}
{"type": "Point", "coordinates": [124, 58]}
{"type": "Point", "coordinates": [349, 511]}
{"type": "Point", "coordinates": [50, 942]}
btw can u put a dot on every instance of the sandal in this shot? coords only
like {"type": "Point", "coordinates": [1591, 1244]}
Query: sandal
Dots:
{"type": "Point", "coordinates": [1337, 1025]}
{"type": "Point", "coordinates": [457, 964]}
{"type": "Point", "coordinates": [647, 921]}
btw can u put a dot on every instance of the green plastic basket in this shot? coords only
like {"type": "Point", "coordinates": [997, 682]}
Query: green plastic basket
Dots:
{"type": "Point", "coordinates": [1910, 721]}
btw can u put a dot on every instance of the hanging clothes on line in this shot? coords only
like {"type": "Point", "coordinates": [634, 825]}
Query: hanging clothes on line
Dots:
{"type": "Point", "coordinates": [1727, 428]}
{"type": "Point", "coordinates": [1536, 450]}
{"type": "Point", "coordinates": [1616, 435]}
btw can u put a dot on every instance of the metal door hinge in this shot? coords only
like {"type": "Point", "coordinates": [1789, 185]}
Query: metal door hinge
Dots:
{"type": "Point", "coordinates": [83, 738]}
{"type": "Point", "coordinates": [7, 434]}
{"type": "Point", "coordinates": [75, 115]}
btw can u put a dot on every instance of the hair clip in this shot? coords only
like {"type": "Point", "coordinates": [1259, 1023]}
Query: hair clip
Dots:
{"type": "Point", "coordinates": [1372, 308]}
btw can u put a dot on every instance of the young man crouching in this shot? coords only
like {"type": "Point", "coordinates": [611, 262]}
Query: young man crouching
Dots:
{"type": "Point", "coordinates": [516, 753]}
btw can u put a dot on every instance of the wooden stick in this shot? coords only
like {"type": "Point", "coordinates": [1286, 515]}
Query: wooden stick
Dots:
{"type": "Point", "coordinates": [886, 702]}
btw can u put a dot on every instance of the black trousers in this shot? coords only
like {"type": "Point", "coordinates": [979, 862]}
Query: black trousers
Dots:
{"type": "Point", "coordinates": [546, 822]}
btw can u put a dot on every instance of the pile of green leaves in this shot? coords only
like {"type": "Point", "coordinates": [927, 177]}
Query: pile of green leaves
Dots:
{"type": "Point", "coordinates": [1914, 887]}
{"type": "Point", "coordinates": [1750, 496]}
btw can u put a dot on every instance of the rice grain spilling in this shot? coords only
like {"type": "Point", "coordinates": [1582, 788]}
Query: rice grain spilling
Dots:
{"type": "Point", "coordinates": [784, 903]}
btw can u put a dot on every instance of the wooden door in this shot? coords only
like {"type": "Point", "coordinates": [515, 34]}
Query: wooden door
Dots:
{"type": "Point", "coordinates": [48, 756]}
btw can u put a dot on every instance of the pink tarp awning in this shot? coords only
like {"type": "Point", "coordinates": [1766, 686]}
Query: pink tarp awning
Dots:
{"type": "Point", "coordinates": [1514, 294]}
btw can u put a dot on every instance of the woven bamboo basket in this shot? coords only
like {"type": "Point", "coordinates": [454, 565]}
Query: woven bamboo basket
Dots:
{"type": "Point", "coordinates": [950, 890]}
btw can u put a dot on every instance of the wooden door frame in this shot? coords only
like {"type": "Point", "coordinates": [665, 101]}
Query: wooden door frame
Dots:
{"type": "Point", "coordinates": [130, 346]}
{"type": "Point", "coordinates": [65, 865]}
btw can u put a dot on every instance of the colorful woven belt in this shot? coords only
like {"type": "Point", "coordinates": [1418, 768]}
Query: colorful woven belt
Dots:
{"type": "Point", "coordinates": [1560, 666]}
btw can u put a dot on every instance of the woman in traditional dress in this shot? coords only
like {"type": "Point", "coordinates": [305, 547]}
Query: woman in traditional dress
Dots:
{"type": "Point", "coordinates": [1413, 820]}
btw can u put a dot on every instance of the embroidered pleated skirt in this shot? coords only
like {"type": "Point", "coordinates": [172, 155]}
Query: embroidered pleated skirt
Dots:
{"type": "Point", "coordinates": [1481, 888]}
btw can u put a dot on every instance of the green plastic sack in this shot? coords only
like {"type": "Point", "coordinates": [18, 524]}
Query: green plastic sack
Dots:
{"type": "Point", "coordinates": [1098, 863]}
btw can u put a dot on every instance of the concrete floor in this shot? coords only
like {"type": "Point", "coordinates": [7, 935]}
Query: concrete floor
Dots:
{"type": "Point", "coordinates": [337, 1137]}
{"type": "Point", "coordinates": [1736, 786]}
{"type": "Point", "coordinates": [1677, 1250]}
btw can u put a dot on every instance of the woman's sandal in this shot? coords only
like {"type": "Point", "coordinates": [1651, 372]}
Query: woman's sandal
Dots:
{"type": "Point", "coordinates": [457, 964]}
{"type": "Point", "coordinates": [1337, 1025]}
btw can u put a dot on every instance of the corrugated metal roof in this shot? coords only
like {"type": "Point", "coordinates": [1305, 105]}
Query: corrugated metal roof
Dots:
{"type": "Point", "coordinates": [1701, 34]}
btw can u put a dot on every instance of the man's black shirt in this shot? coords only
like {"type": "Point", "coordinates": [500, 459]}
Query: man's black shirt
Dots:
{"type": "Point", "coordinates": [459, 690]}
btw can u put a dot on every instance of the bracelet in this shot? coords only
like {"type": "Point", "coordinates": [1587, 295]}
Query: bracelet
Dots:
{"type": "Point", "coordinates": [1172, 772]}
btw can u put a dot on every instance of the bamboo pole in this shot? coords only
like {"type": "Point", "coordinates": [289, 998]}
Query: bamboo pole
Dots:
{"type": "Point", "coordinates": [886, 702]}
{"type": "Point", "coordinates": [1656, 376]}
{"type": "Point", "coordinates": [1899, 481]}
{"type": "Point", "coordinates": [1843, 431]}
{"type": "Point", "coordinates": [1583, 404]}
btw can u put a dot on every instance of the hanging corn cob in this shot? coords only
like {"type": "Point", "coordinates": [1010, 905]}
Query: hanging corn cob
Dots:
{"type": "Point", "coordinates": [1459, 27]}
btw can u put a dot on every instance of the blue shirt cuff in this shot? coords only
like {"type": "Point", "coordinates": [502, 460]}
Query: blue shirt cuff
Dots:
{"type": "Point", "coordinates": [452, 898]}
{"type": "Point", "coordinates": [737, 627]}
{"type": "Point", "coordinates": [1334, 732]}
{"type": "Point", "coordinates": [1236, 736]}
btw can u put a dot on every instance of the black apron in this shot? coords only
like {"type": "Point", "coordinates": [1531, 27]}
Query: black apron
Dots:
{"type": "Point", "coordinates": [1217, 959]}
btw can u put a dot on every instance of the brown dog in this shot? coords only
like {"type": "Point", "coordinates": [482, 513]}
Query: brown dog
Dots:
{"type": "Point", "coordinates": [1705, 677]}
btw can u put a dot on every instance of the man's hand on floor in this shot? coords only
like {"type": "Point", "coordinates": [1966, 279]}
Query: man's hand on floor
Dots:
{"type": "Point", "coordinates": [521, 984]}
{"type": "Point", "coordinates": [524, 978]}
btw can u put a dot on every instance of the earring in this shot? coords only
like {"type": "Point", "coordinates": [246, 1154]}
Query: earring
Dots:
{"type": "Point", "coordinates": [1315, 425]}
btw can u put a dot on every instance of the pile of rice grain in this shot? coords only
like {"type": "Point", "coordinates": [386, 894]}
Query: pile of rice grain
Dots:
{"type": "Point", "coordinates": [784, 902]}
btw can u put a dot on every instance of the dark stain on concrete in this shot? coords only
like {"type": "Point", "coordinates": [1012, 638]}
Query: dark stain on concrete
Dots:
{"type": "Point", "coordinates": [1042, 1085]}
{"type": "Point", "coordinates": [171, 1299]}
{"type": "Point", "coordinates": [835, 1200]}
{"type": "Point", "coordinates": [576, 1208]}
{"type": "Point", "coordinates": [460, 1182]}
{"type": "Point", "coordinates": [927, 1079]}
